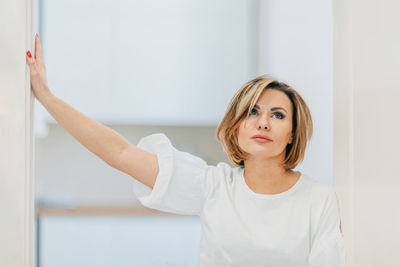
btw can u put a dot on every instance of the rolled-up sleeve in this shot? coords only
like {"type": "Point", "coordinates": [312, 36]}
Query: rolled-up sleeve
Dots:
{"type": "Point", "coordinates": [328, 248]}
{"type": "Point", "coordinates": [180, 185]}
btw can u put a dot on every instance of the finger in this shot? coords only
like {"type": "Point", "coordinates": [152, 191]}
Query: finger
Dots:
{"type": "Point", "coordinates": [38, 48]}
{"type": "Point", "coordinates": [29, 59]}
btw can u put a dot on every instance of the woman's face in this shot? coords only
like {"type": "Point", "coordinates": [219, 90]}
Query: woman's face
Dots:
{"type": "Point", "coordinates": [271, 117]}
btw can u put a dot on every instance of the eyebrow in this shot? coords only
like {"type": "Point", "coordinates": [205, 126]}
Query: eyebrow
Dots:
{"type": "Point", "coordinates": [272, 109]}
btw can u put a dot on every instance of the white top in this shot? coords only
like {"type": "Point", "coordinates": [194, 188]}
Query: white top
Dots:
{"type": "Point", "coordinates": [296, 228]}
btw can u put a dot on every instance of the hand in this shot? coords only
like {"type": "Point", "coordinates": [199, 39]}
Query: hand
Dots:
{"type": "Point", "coordinates": [38, 70]}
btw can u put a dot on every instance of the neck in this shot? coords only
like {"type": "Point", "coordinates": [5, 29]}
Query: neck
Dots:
{"type": "Point", "coordinates": [262, 174]}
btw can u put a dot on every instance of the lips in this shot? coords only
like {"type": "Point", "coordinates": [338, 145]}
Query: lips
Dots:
{"type": "Point", "coordinates": [262, 136]}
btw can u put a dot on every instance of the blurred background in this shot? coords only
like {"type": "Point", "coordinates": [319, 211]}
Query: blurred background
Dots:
{"type": "Point", "coordinates": [143, 67]}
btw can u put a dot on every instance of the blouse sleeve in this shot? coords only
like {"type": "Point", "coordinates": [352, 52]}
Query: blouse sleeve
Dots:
{"type": "Point", "coordinates": [328, 248]}
{"type": "Point", "coordinates": [181, 183]}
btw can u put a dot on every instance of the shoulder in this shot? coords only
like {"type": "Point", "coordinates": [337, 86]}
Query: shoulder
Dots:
{"type": "Point", "coordinates": [323, 201]}
{"type": "Point", "coordinates": [320, 193]}
{"type": "Point", "coordinates": [323, 204]}
{"type": "Point", "coordinates": [222, 171]}
{"type": "Point", "coordinates": [223, 168]}
{"type": "Point", "coordinates": [317, 188]}
{"type": "Point", "coordinates": [220, 176]}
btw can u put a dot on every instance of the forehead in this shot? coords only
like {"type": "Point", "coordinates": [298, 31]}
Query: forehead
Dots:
{"type": "Point", "coordinates": [274, 98]}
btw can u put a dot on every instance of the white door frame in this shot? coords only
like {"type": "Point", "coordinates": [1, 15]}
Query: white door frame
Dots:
{"type": "Point", "coordinates": [16, 135]}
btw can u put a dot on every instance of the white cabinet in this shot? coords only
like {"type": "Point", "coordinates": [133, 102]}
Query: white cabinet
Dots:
{"type": "Point", "coordinates": [104, 241]}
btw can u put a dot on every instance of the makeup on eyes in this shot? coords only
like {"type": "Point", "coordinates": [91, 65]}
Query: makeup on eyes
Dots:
{"type": "Point", "coordinates": [272, 109]}
{"type": "Point", "coordinates": [282, 116]}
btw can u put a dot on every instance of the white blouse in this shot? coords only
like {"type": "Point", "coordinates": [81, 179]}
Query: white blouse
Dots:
{"type": "Point", "coordinates": [296, 228]}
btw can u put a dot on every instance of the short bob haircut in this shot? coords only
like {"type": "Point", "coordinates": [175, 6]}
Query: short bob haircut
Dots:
{"type": "Point", "coordinates": [239, 109]}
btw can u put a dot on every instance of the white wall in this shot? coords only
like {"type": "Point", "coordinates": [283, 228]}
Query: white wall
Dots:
{"type": "Point", "coordinates": [295, 45]}
{"type": "Point", "coordinates": [173, 62]}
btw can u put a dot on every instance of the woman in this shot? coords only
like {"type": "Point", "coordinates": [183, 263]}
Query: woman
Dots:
{"type": "Point", "coordinates": [258, 213]}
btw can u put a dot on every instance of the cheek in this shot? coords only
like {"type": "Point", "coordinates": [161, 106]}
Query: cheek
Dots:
{"type": "Point", "coordinates": [241, 136]}
{"type": "Point", "coordinates": [283, 135]}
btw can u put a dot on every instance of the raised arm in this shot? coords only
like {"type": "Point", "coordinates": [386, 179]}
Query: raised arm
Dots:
{"type": "Point", "coordinates": [99, 139]}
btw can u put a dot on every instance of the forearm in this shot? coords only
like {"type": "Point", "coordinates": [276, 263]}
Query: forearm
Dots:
{"type": "Point", "coordinates": [99, 139]}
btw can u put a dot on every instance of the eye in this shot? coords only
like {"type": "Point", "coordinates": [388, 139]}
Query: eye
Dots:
{"type": "Point", "coordinates": [281, 116]}
{"type": "Point", "coordinates": [252, 113]}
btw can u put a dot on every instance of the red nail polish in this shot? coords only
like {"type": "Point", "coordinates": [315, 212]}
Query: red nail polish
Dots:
{"type": "Point", "coordinates": [29, 53]}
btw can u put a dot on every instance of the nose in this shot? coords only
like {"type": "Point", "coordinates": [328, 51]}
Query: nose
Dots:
{"type": "Point", "coordinates": [263, 122]}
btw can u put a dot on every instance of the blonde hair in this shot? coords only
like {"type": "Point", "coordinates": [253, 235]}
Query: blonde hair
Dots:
{"type": "Point", "coordinates": [240, 107]}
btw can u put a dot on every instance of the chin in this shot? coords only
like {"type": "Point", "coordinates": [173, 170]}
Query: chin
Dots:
{"type": "Point", "coordinates": [260, 153]}
{"type": "Point", "coordinates": [264, 152]}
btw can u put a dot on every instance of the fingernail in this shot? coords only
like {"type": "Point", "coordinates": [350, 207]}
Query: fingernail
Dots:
{"type": "Point", "coordinates": [29, 53]}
